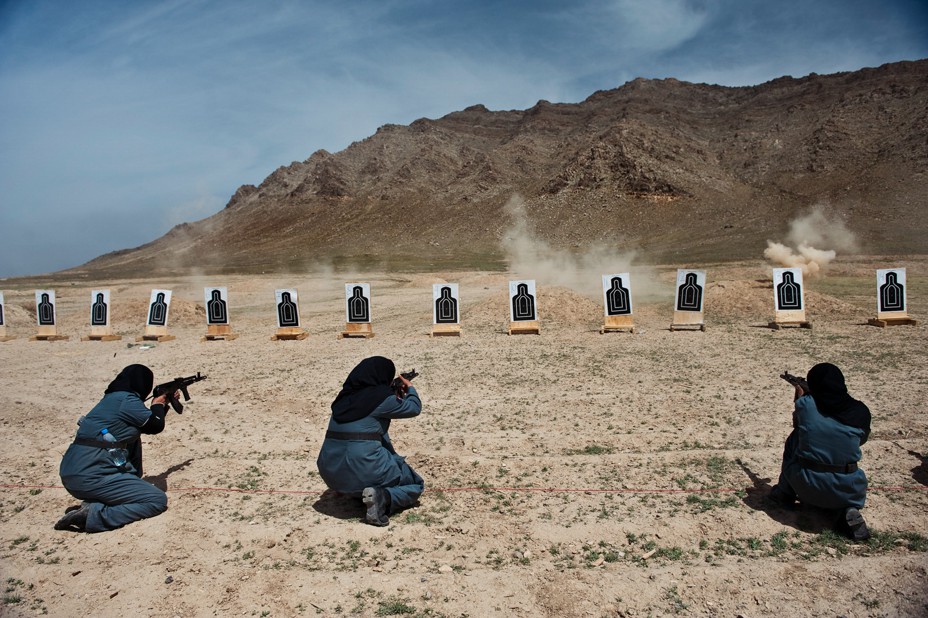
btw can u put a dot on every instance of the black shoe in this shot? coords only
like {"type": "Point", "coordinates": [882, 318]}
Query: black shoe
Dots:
{"type": "Point", "coordinates": [856, 526]}
{"type": "Point", "coordinates": [378, 505]}
{"type": "Point", "coordinates": [778, 497]}
{"type": "Point", "coordinates": [75, 519]}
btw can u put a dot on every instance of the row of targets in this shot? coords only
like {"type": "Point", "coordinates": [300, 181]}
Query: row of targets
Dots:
{"type": "Point", "coordinates": [788, 297]}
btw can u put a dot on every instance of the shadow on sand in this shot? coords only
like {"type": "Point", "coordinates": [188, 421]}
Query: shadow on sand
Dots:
{"type": "Point", "coordinates": [805, 518]}
{"type": "Point", "coordinates": [161, 481]}
{"type": "Point", "coordinates": [339, 506]}
{"type": "Point", "coordinates": [919, 472]}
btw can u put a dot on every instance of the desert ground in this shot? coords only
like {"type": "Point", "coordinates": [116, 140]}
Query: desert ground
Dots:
{"type": "Point", "coordinates": [569, 473]}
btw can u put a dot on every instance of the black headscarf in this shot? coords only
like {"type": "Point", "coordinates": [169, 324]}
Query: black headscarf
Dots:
{"type": "Point", "coordinates": [367, 386]}
{"type": "Point", "coordinates": [137, 379]}
{"type": "Point", "coordinates": [832, 399]}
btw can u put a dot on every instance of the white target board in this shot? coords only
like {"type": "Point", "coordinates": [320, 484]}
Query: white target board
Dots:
{"type": "Point", "coordinates": [217, 306]}
{"type": "Point", "coordinates": [691, 286]}
{"type": "Point", "coordinates": [788, 289]}
{"type": "Point", "coordinates": [99, 308]}
{"type": "Point", "coordinates": [159, 306]}
{"type": "Point", "coordinates": [617, 294]}
{"type": "Point", "coordinates": [288, 310]}
{"type": "Point", "coordinates": [2, 311]}
{"type": "Point", "coordinates": [523, 306]}
{"type": "Point", "coordinates": [45, 307]}
{"type": "Point", "coordinates": [445, 303]}
{"type": "Point", "coordinates": [890, 293]}
{"type": "Point", "coordinates": [358, 303]}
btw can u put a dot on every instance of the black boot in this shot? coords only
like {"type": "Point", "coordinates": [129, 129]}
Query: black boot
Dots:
{"type": "Point", "coordinates": [855, 526]}
{"type": "Point", "coordinates": [783, 499]}
{"type": "Point", "coordinates": [75, 519]}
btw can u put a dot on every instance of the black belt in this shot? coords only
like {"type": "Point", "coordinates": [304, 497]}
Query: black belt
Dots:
{"type": "Point", "coordinates": [99, 443]}
{"type": "Point", "coordinates": [347, 435]}
{"type": "Point", "coordinates": [817, 466]}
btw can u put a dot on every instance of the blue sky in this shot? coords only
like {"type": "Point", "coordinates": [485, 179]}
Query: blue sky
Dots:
{"type": "Point", "coordinates": [121, 119]}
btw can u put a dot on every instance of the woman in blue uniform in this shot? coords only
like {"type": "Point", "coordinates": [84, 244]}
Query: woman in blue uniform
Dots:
{"type": "Point", "coordinates": [357, 457]}
{"type": "Point", "coordinates": [106, 475]}
{"type": "Point", "coordinates": [821, 454]}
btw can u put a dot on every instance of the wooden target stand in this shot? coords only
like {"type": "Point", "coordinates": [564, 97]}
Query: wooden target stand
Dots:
{"type": "Point", "coordinates": [289, 333]}
{"type": "Point", "coordinates": [156, 333]}
{"type": "Point", "coordinates": [364, 330]}
{"type": "Point", "coordinates": [688, 320]}
{"type": "Point", "coordinates": [219, 332]}
{"type": "Point", "coordinates": [4, 336]}
{"type": "Point", "coordinates": [445, 330]}
{"type": "Point", "coordinates": [892, 318]}
{"type": "Point", "coordinates": [48, 333]}
{"type": "Point", "coordinates": [101, 333]}
{"type": "Point", "coordinates": [617, 324]}
{"type": "Point", "coordinates": [789, 319]}
{"type": "Point", "coordinates": [531, 327]}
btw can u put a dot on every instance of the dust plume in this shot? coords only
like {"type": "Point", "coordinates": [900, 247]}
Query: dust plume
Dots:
{"type": "Point", "coordinates": [533, 258]}
{"type": "Point", "coordinates": [815, 241]}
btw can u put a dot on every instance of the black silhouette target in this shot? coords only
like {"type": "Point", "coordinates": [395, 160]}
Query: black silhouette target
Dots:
{"type": "Point", "coordinates": [617, 294]}
{"type": "Point", "coordinates": [789, 291]}
{"type": "Point", "coordinates": [158, 311]}
{"type": "Point", "coordinates": [358, 302]}
{"type": "Point", "coordinates": [522, 301]}
{"type": "Point", "coordinates": [288, 314]}
{"type": "Point", "coordinates": [99, 309]}
{"type": "Point", "coordinates": [689, 292]}
{"type": "Point", "coordinates": [45, 308]}
{"type": "Point", "coordinates": [446, 304]}
{"type": "Point", "coordinates": [217, 311]}
{"type": "Point", "coordinates": [892, 292]}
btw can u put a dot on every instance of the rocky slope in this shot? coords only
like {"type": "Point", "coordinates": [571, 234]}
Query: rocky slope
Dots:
{"type": "Point", "coordinates": [678, 171]}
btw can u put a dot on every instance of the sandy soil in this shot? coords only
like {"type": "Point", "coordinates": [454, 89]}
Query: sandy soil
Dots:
{"type": "Point", "coordinates": [568, 474]}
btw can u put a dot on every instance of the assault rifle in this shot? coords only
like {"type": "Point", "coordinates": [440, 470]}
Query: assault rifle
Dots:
{"type": "Point", "coordinates": [796, 381]}
{"type": "Point", "coordinates": [399, 389]}
{"type": "Point", "coordinates": [177, 384]}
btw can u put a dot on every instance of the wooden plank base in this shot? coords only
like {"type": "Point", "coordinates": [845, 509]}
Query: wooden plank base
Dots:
{"type": "Point", "coordinates": [617, 324]}
{"type": "Point", "coordinates": [884, 322]}
{"type": "Point", "coordinates": [524, 328]}
{"type": "Point", "coordinates": [7, 338]}
{"type": "Point", "coordinates": [49, 338]}
{"type": "Point", "coordinates": [222, 337]}
{"type": "Point", "coordinates": [364, 330]}
{"type": "Point", "coordinates": [445, 330]}
{"type": "Point", "coordinates": [102, 338]}
{"type": "Point", "coordinates": [158, 338]}
{"type": "Point", "coordinates": [779, 325]}
{"type": "Point", "coordinates": [289, 333]}
{"type": "Point", "coordinates": [676, 327]}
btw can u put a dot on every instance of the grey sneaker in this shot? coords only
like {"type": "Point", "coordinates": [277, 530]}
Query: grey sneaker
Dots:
{"type": "Point", "coordinates": [377, 502]}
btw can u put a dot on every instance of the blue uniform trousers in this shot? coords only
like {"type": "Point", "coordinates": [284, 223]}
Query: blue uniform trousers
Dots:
{"type": "Point", "coordinates": [115, 500]}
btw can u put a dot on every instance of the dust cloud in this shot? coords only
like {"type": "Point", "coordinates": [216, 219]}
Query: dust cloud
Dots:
{"type": "Point", "coordinates": [814, 241]}
{"type": "Point", "coordinates": [533, 258]}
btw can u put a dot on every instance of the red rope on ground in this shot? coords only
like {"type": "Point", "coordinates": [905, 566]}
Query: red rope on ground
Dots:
{"type": "Point", "coordinates": [716, 490]}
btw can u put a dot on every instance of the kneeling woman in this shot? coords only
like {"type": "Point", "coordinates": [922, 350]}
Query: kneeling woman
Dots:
{"type": "Point", "coordinates": [357, 457]}
{"type": "Point", "coordinates": [103, 466]}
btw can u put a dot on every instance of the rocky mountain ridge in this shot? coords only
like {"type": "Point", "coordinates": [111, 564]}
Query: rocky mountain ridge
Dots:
{"type": "Point", "coordinates": [677, 171]}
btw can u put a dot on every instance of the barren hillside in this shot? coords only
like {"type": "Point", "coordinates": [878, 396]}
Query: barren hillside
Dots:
{"type": "Point", "coordinates": [679, 171]}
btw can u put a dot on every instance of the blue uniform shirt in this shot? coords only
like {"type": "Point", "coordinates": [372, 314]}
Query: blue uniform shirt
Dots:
{"type": "Point", "coordinates": [825, 440]}
{"type": "Point", "coordinates": [348, 466]}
